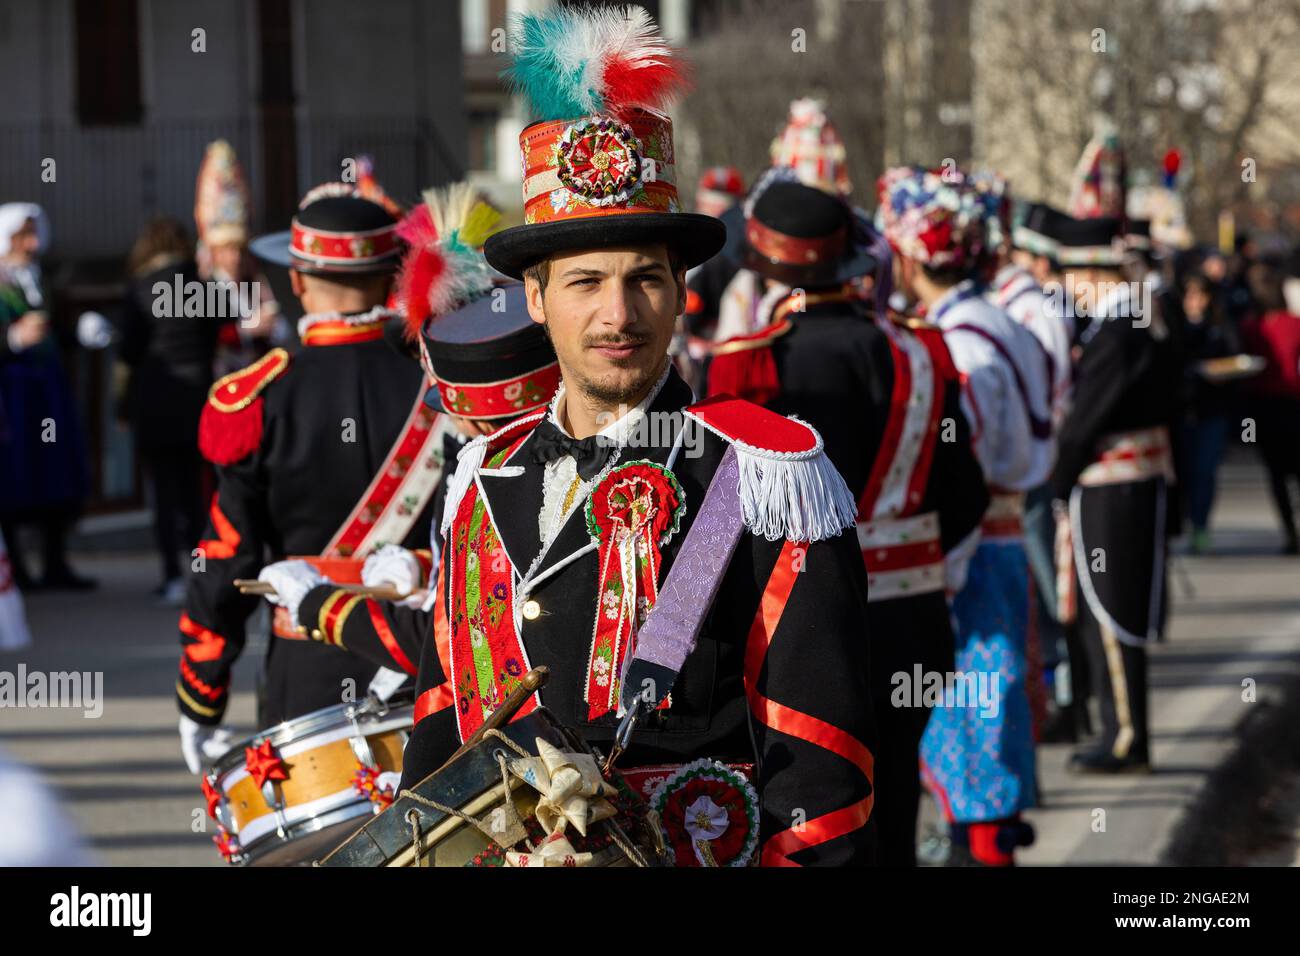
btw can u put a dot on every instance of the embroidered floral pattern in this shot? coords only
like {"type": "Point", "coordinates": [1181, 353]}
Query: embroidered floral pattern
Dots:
{"type": "Point", "coordinates": [487, 655]}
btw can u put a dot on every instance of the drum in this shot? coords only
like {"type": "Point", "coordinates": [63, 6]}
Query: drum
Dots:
{"type": "Point", "coordinates": [499, 802]}
{"type": "Point", "coordinates": [291, 793]}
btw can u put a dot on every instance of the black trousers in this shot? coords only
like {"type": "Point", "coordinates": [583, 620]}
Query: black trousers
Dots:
{"type": "Point", "coordinates": [175, 479]}
{"type": "Point", "coordinates": [1119, 678]}
{"type": "Point", "coordinates": [904, 632]}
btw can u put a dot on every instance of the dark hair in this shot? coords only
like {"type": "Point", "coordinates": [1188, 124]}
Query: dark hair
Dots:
{"type": "Point", "coordinates": [946, 277]}
{"type": "Point", "coordinates": [162, 238]}
{"type": "Point", "coordinates": [1265, 284]}
{"type": "Point", "coordinates": [540, 272]}
{"type": "Point", "coordinates": [360, 282]}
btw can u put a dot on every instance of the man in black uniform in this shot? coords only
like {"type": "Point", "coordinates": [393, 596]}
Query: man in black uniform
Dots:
{"type": "Point", "coordinates": [1110, 483]}
{"type": "Point", "coordinates": [886, 398]}
{"type": "Point", "coordinates": [563, 529]}
{"type": "Point", "coordinates": [329, 453]}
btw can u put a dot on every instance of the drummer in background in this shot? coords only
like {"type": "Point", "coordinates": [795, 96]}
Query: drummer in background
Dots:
{"type": "Point", "coordinates": [299, 444]}
{"type": "Point", "coordinates": [490, 364]}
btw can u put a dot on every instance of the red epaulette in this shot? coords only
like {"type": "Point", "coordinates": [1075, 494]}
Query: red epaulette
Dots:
{"type": "Point", "coordinates": [230, 427]}
{"type": "Point", "coordinates": [755, 429]}
{"type": "Point", "coordinates": [788, 488]}
{"type": "Point", "coordinates": [743, 366]}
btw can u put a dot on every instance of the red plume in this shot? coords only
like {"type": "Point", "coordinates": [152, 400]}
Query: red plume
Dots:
{"type": "Point", "coordinates": [421, 267]}
{"type": "Point", "coordinates": [630, 80]}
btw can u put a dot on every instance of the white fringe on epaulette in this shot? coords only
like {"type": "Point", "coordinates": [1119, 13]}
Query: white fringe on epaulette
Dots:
{"type": "Point", "coordinates": [468, 462]}
{"type": "Point", "coordinates": [793, 498]}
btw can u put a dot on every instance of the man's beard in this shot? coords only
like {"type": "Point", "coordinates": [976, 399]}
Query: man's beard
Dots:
{"type": "Point", "coordinates": [619, 392]}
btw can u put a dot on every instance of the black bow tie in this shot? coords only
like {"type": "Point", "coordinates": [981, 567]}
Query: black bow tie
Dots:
{"type": "Point", "coordinates": [589, 454]}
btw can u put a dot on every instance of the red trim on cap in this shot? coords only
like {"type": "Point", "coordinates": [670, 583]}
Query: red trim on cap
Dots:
{"type": "Point", "coordinates": [343, 248]}
{"type": "Point", "coordinates": [788, 250]}
{"type": "Point", "coordinates": [506, 398]}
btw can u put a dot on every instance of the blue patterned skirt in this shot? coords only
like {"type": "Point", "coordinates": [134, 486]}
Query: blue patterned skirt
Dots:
{"type": "Point", "coordinates": [977, 755]}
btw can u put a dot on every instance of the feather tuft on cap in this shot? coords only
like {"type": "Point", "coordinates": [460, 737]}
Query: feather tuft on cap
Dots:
{"type": "Point", "coordinates": [571, 62]}
{"type": "Point", "coordinates": [444, 268]}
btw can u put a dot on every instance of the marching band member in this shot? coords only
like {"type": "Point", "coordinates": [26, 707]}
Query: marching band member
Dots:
{"type": "Point", "coordinates": [329, 453]}
{"type": "Point", "coordinates": [1111, 480]}
{"type": "Point", "coordinates": [885, 396]}
{"type": "Point", "coordinates": [753, 687]}
{"type": "Point", "coordinates": [978, 755]}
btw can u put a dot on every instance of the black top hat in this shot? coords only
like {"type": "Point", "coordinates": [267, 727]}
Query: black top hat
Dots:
{"type": "Point", "coordinates": [1039, 230]}
{"type": "Point", "coordinates": [335, 232]}
{"type": "Point", "coordinates": [489, 359]}
{"type": "Point", "coordinates": [1091, 242]}
{"type": "Point", "coordinates": [801, 236]}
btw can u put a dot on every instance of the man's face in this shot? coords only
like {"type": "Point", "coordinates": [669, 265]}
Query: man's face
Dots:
{"type": "Point", "coordinates": [610, 315]}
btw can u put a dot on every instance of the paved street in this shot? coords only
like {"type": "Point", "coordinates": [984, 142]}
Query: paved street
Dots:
{"type": "Point", "coordinates": [124, 782]}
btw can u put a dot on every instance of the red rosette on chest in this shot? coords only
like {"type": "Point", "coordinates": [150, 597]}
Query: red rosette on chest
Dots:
{"type": "Point", "coordinates": [632, 513]}
{"type": "Point", "coordinates": [632, 495]}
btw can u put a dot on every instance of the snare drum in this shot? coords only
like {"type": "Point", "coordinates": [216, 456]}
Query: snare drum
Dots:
{"type": "Point", "coordinates": [478, 810]}
{"type": "Point", "coordinates": [291, 793]}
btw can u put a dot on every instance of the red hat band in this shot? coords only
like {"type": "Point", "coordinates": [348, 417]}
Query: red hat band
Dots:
{"type": "Point", "coordinates": [599, 166]}
{"type": "Point", "coordinates": [779, 248]}
{"type": "Point", "coordinates": [507, 398]}
{"type": "Point", "coordinates": [342, 248]}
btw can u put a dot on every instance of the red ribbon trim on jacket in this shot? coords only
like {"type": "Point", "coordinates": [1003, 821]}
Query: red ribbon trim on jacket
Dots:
{"type": "Point", "coordinates": [205, 690]}
{"type": "Point", "coordinates": [795, 723]}
{"type": "Point", "coordinates": [433, 700]}
{"type": "Point", "coordinates": [893, 431]}
{"type": "Point", "coordinates": [209, 644]}
{"type": "Point", "coordinates": [386, 636]}
{"type": "Point", "coordinates": [228, 538]}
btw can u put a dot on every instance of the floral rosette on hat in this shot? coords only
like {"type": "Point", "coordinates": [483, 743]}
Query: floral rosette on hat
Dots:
{"type": "Point", "coordinates": [599, 160]}
{"type": "Point", "coordinates": [933, 217]}
{"type": "Point", "coordinates": [709, 815]}
{"type": "Point", "coordinates": [633, 512]}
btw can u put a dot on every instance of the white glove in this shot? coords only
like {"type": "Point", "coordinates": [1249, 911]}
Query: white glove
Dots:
{"type": "Point", "coordinates": [291, 580]}
{"type": "Point", "coordinates": [201, 744]}
{"type": "Point", "coordinates": [392, 565]}
{"type": "Point", "coordinates": [94, 331]}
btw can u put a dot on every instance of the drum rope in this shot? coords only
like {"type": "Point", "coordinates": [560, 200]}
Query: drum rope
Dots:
{"type": "Point", "coordinates": [417, 836]}
{"type": "Point", "coordinates": [513, 821]}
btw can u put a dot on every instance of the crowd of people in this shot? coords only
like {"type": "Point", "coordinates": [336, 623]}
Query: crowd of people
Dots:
{"type": "Point", "coordinates": [983, 420]}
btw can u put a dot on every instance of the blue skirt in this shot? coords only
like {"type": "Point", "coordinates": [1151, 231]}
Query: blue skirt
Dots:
{"type": "Point", "coordinates": [42, 449]}
{"type": "Point", "coordinates": [977, 754]}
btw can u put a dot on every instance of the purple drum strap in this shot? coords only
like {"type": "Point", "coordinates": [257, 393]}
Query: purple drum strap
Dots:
{"type": "Point", "coordinates": [674, 623]}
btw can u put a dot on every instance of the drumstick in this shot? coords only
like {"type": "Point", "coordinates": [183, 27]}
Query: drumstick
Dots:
{"type": "Point", "coordinates": [385, 592]}
{"type": "Point", "coordinates": [530, 683]}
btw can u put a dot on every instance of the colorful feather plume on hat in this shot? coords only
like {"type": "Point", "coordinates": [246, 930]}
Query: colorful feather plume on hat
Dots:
{"type": "Point", "coordinates": [444, 268]}
{"type": "Point", "coordinates": [571, 62]}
